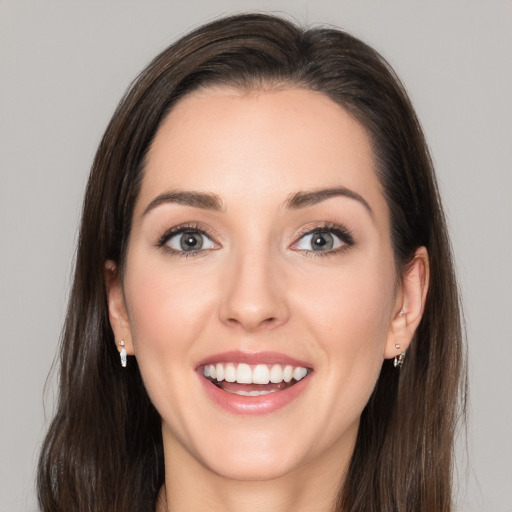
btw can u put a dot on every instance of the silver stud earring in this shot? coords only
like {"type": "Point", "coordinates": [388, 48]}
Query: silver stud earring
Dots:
{"type": "Point", "coordinates": [397, 345]}
{"type": "Point", "coordinates": [122, 354]}
{"type": "Point", "coordinates": [399, 360]}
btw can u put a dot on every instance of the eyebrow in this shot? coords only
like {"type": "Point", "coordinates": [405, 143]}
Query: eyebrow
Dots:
{"type": "Point", "coordinates": [201, 200]}
{"type": "Point", "coordinates": [303, 199]}
{"type": "Point", "coordinates": [208, 201]}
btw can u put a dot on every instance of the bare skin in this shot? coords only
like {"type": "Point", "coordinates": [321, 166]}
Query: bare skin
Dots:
{"type": "Point", "coordinates": [259, 261]}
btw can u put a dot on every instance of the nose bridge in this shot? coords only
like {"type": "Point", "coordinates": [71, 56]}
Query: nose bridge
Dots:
{"type": "Point", "coordinates": [254, 296]}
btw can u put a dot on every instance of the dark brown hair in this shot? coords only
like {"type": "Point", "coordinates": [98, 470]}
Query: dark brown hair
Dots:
{"type": "Point", "coordinates": [103, 451]}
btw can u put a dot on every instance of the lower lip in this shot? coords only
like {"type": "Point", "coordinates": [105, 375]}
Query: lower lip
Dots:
{"type": "Point", "coordinates": [253, 405]}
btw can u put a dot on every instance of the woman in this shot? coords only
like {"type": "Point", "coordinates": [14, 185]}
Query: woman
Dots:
{"type": "Point", "coordinates": [264, 314]}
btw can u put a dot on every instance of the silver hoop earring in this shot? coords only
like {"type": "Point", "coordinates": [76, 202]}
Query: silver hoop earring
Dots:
{"type": "Point", "coordinates": [122, 354]}
{"type": "Point", "coordinates": [399, 360]}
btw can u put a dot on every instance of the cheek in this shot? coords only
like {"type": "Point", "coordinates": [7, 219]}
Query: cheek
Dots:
{"type": "Point", "coordinates": [167, 309]}
{"type": "Point", "coordinates": [352, 306]}
{"type": "Point", "coordinates": [168, 312]}
{"type": "Point", "coordinates": [350, 317]}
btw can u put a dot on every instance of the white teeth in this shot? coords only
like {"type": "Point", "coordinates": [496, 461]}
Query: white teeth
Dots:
{"type": "Point", "coordinates": [220, 372]}
{"type": "Point", "coordinates": [258, 374]}
{"type": "Point", "coordinates": [299, 373]}
{"type": "Point", "coordinates": [261, 374]}
{"type": "Point", "coordinates": [230, 373]}
{"type": "Point", "coordinates": [244, 374]}
{"type": "Point", "coordinates": [276, 374]}
{"type": "Point", "coordinates": [253, 393]}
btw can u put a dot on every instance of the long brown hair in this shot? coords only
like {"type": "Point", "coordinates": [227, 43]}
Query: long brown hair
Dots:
{"type": "Point", "coordinates": [103, 451]}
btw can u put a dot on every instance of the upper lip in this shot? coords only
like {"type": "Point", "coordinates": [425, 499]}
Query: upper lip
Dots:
{"type": "Point", "coordinates": [253, 358]}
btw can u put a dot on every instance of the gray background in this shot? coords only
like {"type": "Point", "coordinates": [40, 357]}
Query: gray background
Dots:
{"type": "Point", "coordinates": [65, 64]}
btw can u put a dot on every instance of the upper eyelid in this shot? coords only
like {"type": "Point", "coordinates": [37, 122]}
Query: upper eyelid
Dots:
{"type": "Point", "coordinates": [326, 227]}
{"type": "Point", "coordinates": [183, 228]}
{"type": "Point", "coordinates": [345, 236]}
{"type": "Point", "coordinates": [307, 229]}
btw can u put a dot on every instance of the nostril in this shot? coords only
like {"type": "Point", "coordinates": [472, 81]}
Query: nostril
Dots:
{"type": "Point", "coordinates": [253, 304]}
{"type": "Point", "coordinates": [253, 324]}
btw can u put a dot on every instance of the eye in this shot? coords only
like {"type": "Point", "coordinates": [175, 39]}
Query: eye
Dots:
{"type": "Point", "coordinates": [189, 241]}
{"type": "Point", "coordinates": [324, 239]}
{"type": "Point", "coordinates": [318, 241]}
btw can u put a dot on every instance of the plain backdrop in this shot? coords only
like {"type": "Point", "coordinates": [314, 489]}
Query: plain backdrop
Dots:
{"type": "Point", "coordinates": [65, 64]}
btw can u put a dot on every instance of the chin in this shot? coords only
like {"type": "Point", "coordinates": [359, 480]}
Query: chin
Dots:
{"type": "Point", "coordinates": [255, 453]}
{"type": "Point", "coordinates": [253, 467]}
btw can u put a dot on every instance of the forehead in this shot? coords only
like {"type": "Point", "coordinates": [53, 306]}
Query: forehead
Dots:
{"type": "Point", "coordinates": [259, 145]}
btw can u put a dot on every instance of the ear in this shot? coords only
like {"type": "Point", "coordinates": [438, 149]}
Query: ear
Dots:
{"type": "Point", "coordinates": [410, 305]}
{"type": "Point", "coordinates": [117, 312]}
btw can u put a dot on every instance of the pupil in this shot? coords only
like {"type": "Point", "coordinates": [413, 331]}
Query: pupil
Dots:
{"type": "Point", "coordinates": [191, 241]}
{"type": "Point", "coordinates": [322, 241]}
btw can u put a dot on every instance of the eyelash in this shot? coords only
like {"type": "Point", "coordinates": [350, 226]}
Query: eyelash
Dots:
{"type": "Point", "coordinates": [343, 234]}
{"type": "Point", "coordinates": [183, 228]}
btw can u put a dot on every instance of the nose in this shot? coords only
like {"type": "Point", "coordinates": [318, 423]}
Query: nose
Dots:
{"type": "Point", "coordinates": [254, 295]}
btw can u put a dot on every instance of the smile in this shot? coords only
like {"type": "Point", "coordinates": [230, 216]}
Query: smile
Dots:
{"type": "Point", "coordinates": [253, 387]}
{"type": "Point", "coordinates": [224, 374]}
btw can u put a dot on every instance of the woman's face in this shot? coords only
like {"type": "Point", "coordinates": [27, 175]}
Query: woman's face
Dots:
{"type": "Point", "coordinates": [260, 252]}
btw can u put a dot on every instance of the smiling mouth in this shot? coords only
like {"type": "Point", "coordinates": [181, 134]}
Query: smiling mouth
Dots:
{"type": "Point", "coordinates": [253, 380]}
